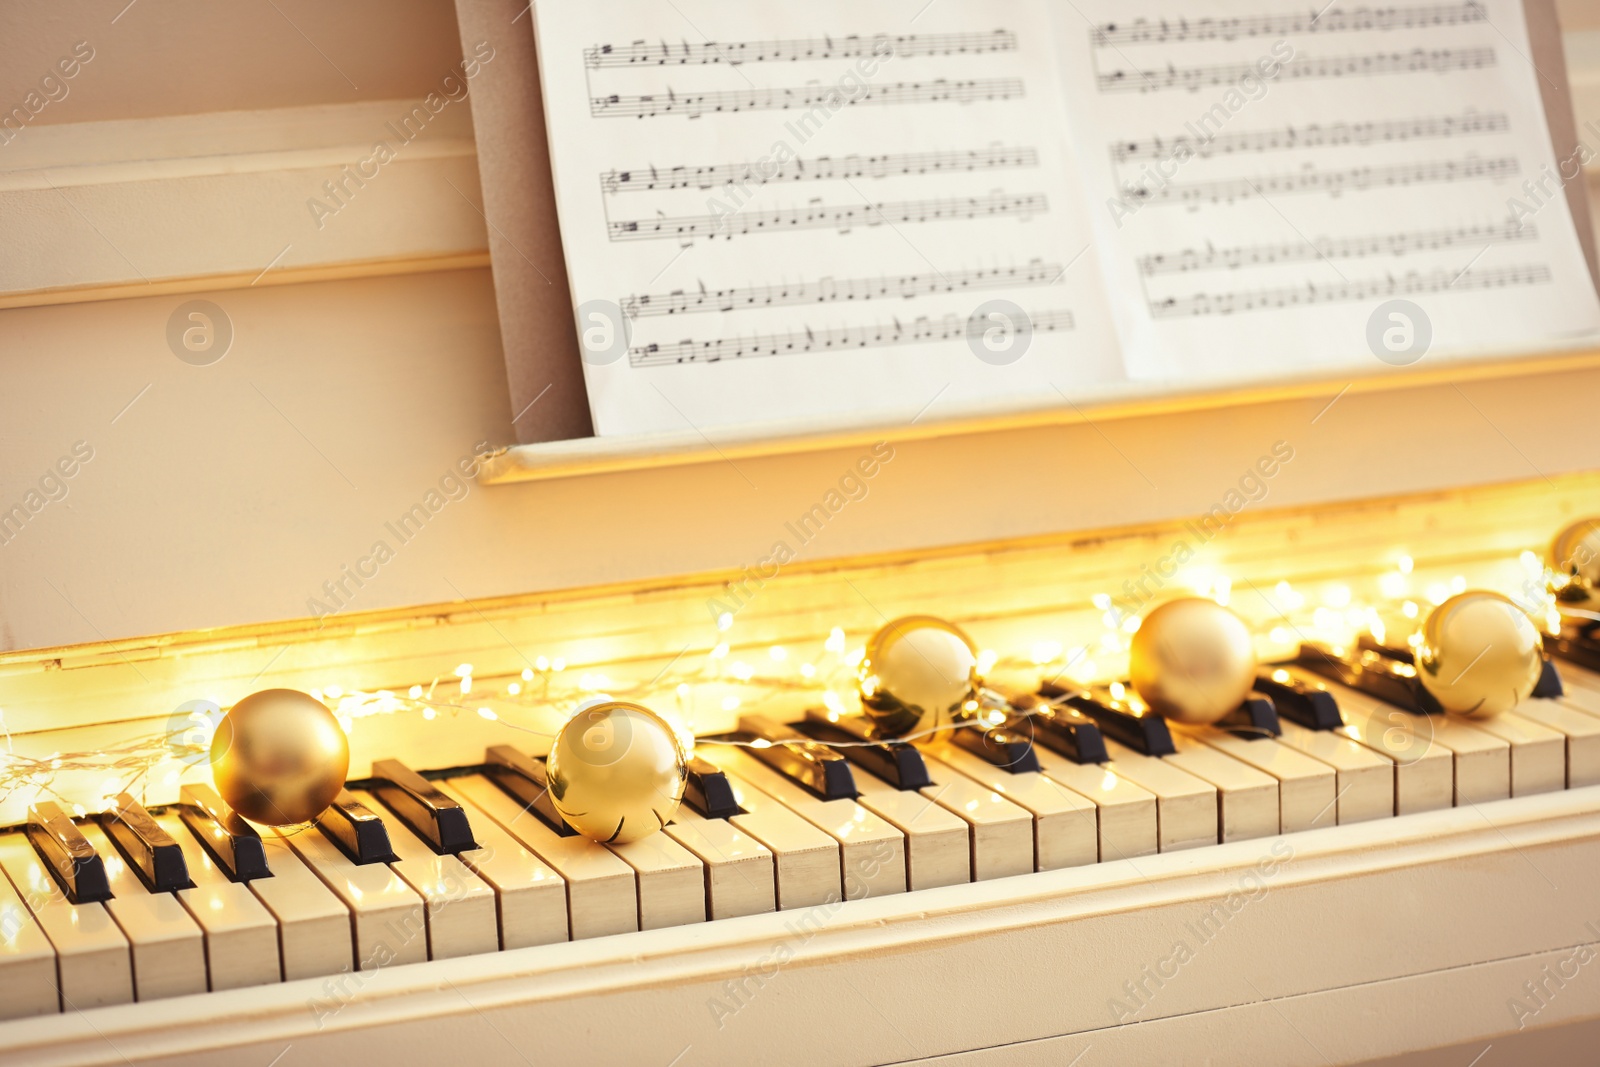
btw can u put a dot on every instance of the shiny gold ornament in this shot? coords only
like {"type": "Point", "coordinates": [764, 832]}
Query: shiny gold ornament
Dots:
{"type": "Point", "coordinates": [617, 771]}
{"type": "Point", "coordinates": [1574, 564]}
{"type": "Point", "coordinates": [279, 757]}
{"type": "Point", "coordinates": [1192, 661]}
{"type": "Point", "coordinates": [1480, 654]}
{"type": "Point", "coordinates": [919, 673]}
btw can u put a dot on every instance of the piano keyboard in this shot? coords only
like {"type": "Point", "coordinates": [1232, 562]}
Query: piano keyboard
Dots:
{"type": "Point", "coordinates": [95, 911]}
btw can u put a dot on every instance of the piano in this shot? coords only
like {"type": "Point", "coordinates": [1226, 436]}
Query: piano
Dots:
{"type": "Point", "coordinates": [1327, 877]}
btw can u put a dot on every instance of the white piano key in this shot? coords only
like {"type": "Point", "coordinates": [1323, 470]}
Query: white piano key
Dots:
{"type": "Point", "coordinates": [169, 949]}
{"type": "Point", "coordinates": [458, 905]}
{"type": "Point", "coordinates": [1307, 788]}
{"type": "Point", "coordinates": [1424, 772]}
{"type": "Point", "coordinates": [93, 964]}
{"type": "Point", "coordinates": [938, 844]}
{"type": "Point", "coordinates": [1482, 761]}
{"type": "Point", "coordinates": [1538, 753]}
{"type": "Point", "coordinates": [1127, 812]}
{"type": "Point", "coordinates": [1186, 806]}
{"type": "Point", "coordinates": [314, 926]}
{"type": "Point", "coordinates": [1001, 832]}
{"type": "Point", "coordinates": [1581, 730]}
{"type": "Point", "coordinates": [1582, 679]}
{"type": "Point", "coordinates": [1578, 693]}
{"type": "Point", "coordinates": [739, 869]}
{"type": "Point", "coordinates": [386, 915]}
{"type": "Point", "coordinates": [1365, 779]}
{"type": "Point", "coordinates": [1247, 800]}
{"type": "Point", "coordinates": [27, 959]}
{"type": "Point", "coordinates": [1065, 826]}
{"type": "Point", "coordinates": [602, 890]}
{"type": "Point", "coordinates": [806, 861]}
{"type": "Point", "coordinates": [872, 855]}
{"type": "Point", "coordinates": [241, 934]}
{"type": "Point", "coordinates": [531, 896]}
{"type": "Point", "coordinates": [672, 881]}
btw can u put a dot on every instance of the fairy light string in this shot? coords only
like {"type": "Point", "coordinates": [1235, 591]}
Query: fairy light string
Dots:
{"type": "Point", "coordinates": [828, 678]}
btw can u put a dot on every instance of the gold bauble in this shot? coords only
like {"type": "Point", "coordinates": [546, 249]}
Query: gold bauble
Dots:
{"type": "Point", "coordinates": [1574, 562]}
{"type": "Point", "coordinates": [1480, 654]}
{"type": "Point", "coordinates": [1192, 661]}
{"type": "Point", "coordinates": [919, 673]}
{"type": "Point", "coordinates": [279, 757]}
{"type": "Point", "coordinates": [617, 771]}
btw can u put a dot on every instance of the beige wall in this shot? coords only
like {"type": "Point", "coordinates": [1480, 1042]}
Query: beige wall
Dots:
{"type": "Point", "coordinates": [181, 57]}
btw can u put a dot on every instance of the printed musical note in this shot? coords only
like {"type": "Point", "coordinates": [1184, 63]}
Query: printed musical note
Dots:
{"type": "Point", "coordinates": [1339, 20]}
{"type": "Point", "coordinates": [852, 46]}
{"type": "Point", "coordinates": [829, 216]}
{"type": "Point", "coordinates": [1300, 68]}
{"type": "Point", "coordinates": [1390, 244]}
{"type": "Point", "coordinates": [821, 168]}
{"type": "Point", "coordinates": [797, 342]}
{"type": "Point", "coordinates": [1332, 182]}
{"type": "Point", "coordinates": [810, 98]}
{"type": "Point", "coordinates": [1230, 303]}
{"type": "Point", "coordinates": [1312, 135]}
{"type": "Point", "coordinates": [831, 291]}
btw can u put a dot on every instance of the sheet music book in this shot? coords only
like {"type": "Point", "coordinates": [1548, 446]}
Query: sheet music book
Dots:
{"type": "Point", "coordinates": [883, 212]}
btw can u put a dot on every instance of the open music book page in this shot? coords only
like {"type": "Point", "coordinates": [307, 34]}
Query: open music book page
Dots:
{"type": "Point", "coordinates": [1280, 185]}
{"type": "Point", "coordinates": [820, 210]}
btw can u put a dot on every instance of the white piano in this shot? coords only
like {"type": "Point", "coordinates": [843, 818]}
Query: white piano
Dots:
{"type": "Point", "coordinates": [1390, 890]}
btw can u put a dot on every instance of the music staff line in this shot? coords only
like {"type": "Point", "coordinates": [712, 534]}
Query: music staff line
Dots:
{"type": "Point", "coordinates": [1343, 20]}
{"type": "Point", "coordinates": [732, 101]}
{"type": "Point", "coordinates": [1335, 135]}
{"type": "Point", "coordinates": [852, 46]}
{"type": "Point", "coordinates": [1332, 182]}
{"type": "Point", "coordinates": [836, 291]}
{"type": "Point", "coordinates": [1393, 244]}
{"type": "Point", "coordinates": [820, 168]}
{"type": "Point", "coordinates": [1412, 284]}
{"type": "Point", "coordinates": [879, 335]}
{"type": "Point", "coordinates": [844, 217]}
{"type": "Point", "coordinates": [1418, 60]}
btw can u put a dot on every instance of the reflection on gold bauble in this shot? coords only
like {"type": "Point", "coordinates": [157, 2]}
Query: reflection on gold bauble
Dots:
{"type": "Point", "coordinates": [617, 771]}
{"type": "Point", "coordinates": [1192, 660]}
{"type": "Point", "coordinates": [1480, 654]}
{"type": "Point", "coordinates": [1574, 557]}
{"type": "Point", "coordinates": [919, 673]}
{"type": "Point", "coordinates": [279, 757]}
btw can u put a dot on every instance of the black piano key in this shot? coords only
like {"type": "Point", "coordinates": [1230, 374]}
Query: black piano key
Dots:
{"type": "Point", "coordinates": [73, 862]}
{"type": "Point", "coordinates": [1306, 703]}
{"type": "Point", "coordinates": [437, 819]}
{"type": "Point", "coordinates": [1007, 745]}
{"type": "Point", "coordinates": [232, 842]}
{"type": "Point", "coordinates": [896, 762]}
{"type": "Point", "coordinates": [151, 851]}
{"type": "Point", "coordinates": [1064, 730]}
{"type": "Point", "coordinates": [1255, 717]}
{"type": "Point", "coordinates": [822, 770]}
{"type": "Point", "coordinates": [1139, 728]}
{"type": "Point", "coordinates": [357, 830]}
{"type": "Point", "coordinates": [526, 781]}
{"type": "Point", "coordinates": [1372, 673]}
{"type": "Point", "coordinates": [708, 790]}
{"type": "Point", "coordinates": [1549, 684]}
